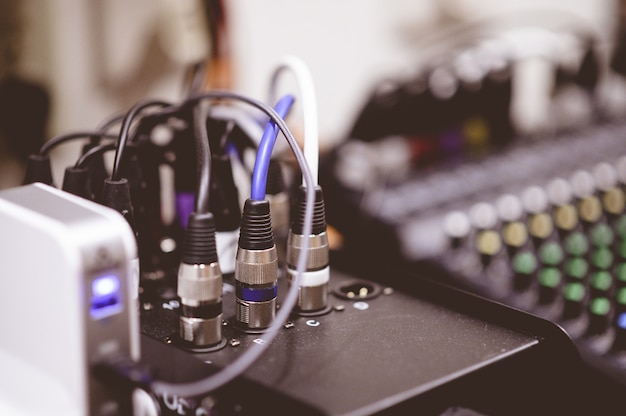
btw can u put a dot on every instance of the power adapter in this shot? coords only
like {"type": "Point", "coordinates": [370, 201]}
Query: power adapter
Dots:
{"type": "Point", "coordinates": [70, 301]}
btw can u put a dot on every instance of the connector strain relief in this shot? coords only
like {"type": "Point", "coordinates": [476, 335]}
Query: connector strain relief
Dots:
{"type": "Point", "coordinates": [76, 181]}
{"type": "Point", "coordinates": [275, 180]}
{"type": "Point", "coordinates": [116, 195]}
{"type": "Point", "coordinates": [199, 243]}
{"type": "Point", "coordinates": [256, 226]}
{"type": "Point", "coordinates": [38, 170]}
{"type": "Point", "coordinates": [319, 212]}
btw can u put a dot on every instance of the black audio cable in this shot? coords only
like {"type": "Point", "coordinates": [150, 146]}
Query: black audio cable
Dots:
{"type": "Point", "coordinates": [124, 132]}
{"type": "Point", "coordinates": [79, 180]}
{"type": "Point", "coordinates": [116, 190]}
{"type": "Point", "coordinates": [96, 168]}
{"type": "Point", "coordinates": [75, 180]}
{"type": "Point", "coordinates": [111, 121]}
{"type": "Point", "coordinates": [199, 274]}
{"type": "Point", "coordinates": [96, 151]}
{"type": "Point", "coordinates": [57, 140]}
{"type": "Point", "coordinates": [38, 167]}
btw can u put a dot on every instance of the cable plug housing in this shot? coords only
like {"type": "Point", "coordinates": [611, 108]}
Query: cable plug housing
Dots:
{"type": "Point", "coordinates": [116, 195]}
{"type": "Point", "coordinates": [38, 170]}
{"type": "Point", "coordinates": [76, 181]}
{"type": "Point", "coordinates": [256, 267]}
{"type": "Point", "coordinates": [313, 291]}
{"type": "Point", "coordinates": [200, 284]}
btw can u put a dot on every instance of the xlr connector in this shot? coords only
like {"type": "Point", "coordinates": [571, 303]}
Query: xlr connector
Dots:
{"type": "Point", "coordinates": [314, 285]}
{"type": "Point", "coordinates": [200, 284]}
{"type": "Point", "coordinates": [256, 268]}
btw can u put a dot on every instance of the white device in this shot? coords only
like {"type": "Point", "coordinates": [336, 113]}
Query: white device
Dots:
{"type": "Point", "coordinates": [68, 301]}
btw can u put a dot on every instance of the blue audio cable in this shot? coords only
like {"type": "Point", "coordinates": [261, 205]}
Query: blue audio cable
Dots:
{"type": "Point", "coordinates": [264, 152]}
{"type": "Point", "coordinates": [256, 263]}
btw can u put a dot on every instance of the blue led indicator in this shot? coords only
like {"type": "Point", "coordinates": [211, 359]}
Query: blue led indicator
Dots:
{"type": "Point", "coordinates": [621, 320]}
{"type": "Point", "coordinates": [106, 298]}
{"type": "Point", "coordinates": [105, 286]}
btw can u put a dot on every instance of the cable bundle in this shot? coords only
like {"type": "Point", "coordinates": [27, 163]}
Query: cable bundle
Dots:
{"type": "Point", "coordinates": [128, 186]}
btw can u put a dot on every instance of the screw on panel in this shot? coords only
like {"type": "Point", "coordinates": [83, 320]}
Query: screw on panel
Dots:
{"type": "Point", "coordinates": [339, 308]}
{"type": "Point", "coordinates": [208, 403]}
{"type": "Point", "coordinates": [289, 325]}
{"type": "Point", "coordinates": [234, 342]}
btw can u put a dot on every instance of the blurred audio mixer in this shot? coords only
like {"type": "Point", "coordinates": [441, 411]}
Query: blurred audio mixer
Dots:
{"type": "Point", "coordinates": [558, 251]}
{"type": "Point", "coordinates": [540, 226]}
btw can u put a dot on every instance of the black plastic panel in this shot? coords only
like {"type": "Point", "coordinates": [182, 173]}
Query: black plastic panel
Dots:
{"type": "Point", "coordinates": [424, 352]}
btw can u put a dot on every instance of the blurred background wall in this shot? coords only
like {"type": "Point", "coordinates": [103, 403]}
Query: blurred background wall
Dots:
{"type": "Point", "coordinates": [94, 58]}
